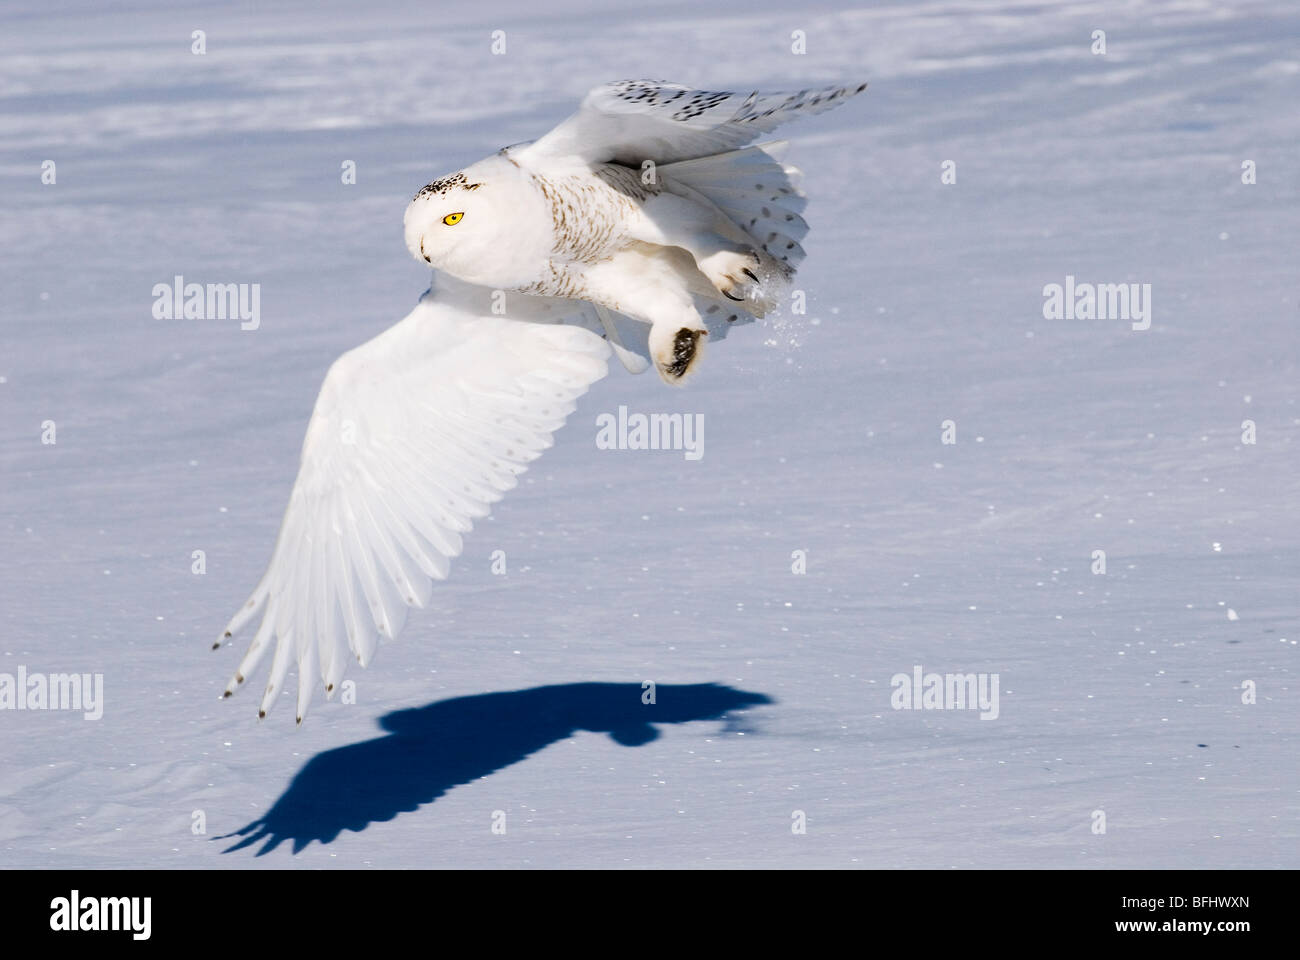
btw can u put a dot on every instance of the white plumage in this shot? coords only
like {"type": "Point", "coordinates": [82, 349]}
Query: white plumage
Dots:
{"type": "Point", "coordinates": [414, 435]}
{"type": "Point", "coordinates": [417, 432]}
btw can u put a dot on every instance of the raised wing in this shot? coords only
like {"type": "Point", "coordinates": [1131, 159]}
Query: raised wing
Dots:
{"type": "Point", "coordinates": [413, 436]}
{"type": "Point", "coordinates": [631, 121]}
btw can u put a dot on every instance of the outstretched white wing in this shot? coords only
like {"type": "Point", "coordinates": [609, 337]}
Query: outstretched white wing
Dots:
{"type": "Point", "coordinates": [413, 436]}
{"type": "Point", "coordinates": [631, 121]}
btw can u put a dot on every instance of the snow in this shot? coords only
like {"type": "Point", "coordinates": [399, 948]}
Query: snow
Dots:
{"type": "Point", "coordinates": [521, 693]}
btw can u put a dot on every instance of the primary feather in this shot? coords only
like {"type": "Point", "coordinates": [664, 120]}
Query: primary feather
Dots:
{"type": "Point", "coordinates": [413, 437]}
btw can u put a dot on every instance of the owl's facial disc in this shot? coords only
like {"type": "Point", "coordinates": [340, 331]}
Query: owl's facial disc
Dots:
{"type": "Point", "coordinates": [434, 219]}
{"type": "Point", "coordinates": [431, 244]}
{"type": "Point", "coordinates": [488, 225]}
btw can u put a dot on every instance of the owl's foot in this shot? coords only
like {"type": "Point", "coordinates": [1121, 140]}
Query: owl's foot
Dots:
{"type": "Point", "coordinates": [676, 350]}
{"type": "Point", "coordinates": [734, 275]}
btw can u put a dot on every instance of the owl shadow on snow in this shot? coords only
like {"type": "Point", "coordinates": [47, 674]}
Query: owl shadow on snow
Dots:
{"type": "Point", "coordinates": [431, 749]}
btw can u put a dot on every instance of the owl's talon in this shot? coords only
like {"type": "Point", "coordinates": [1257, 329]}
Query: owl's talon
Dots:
{"type": "Point", "coordinates": [734, 274]}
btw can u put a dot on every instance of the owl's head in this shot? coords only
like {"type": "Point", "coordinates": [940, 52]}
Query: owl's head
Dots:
{"type": "Point", "coordinates": [477, 224]}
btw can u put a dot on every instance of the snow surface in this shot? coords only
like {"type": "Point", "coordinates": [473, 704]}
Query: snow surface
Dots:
{"type": "Point", "coordinates": [1120, 692]}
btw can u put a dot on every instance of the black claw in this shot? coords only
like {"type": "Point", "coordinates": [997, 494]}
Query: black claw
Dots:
{"type": "Point", "coordinates": [730, 297]}
{"type": "Point", "coordinates": [749, 273]}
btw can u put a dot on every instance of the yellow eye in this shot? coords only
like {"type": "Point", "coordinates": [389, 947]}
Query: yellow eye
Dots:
{"type": "Point", "coordinates": [452, 219]}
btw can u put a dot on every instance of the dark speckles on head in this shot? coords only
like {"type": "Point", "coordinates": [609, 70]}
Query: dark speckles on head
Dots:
{"type": "Point", "coordinates": [446, 185]}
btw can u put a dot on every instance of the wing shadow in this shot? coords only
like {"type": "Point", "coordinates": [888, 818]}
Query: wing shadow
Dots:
{"type": "Point", "coordinates": [431, 749]}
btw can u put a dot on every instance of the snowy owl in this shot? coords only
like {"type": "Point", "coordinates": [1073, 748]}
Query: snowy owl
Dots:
{"type": "Point", "coordinates": [417, 432]}
{"type": "Point", "coordinates": [639, 202]}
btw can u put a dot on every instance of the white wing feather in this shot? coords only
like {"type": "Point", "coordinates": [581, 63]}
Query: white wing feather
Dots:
{"type": "Point", "coordinates": [630, 121]}
{"type": "Point", "coordinates": [414, 435]}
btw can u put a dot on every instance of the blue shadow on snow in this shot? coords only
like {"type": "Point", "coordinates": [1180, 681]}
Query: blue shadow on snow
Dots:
{"type": "Point", "coordinates": [430, 749]}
